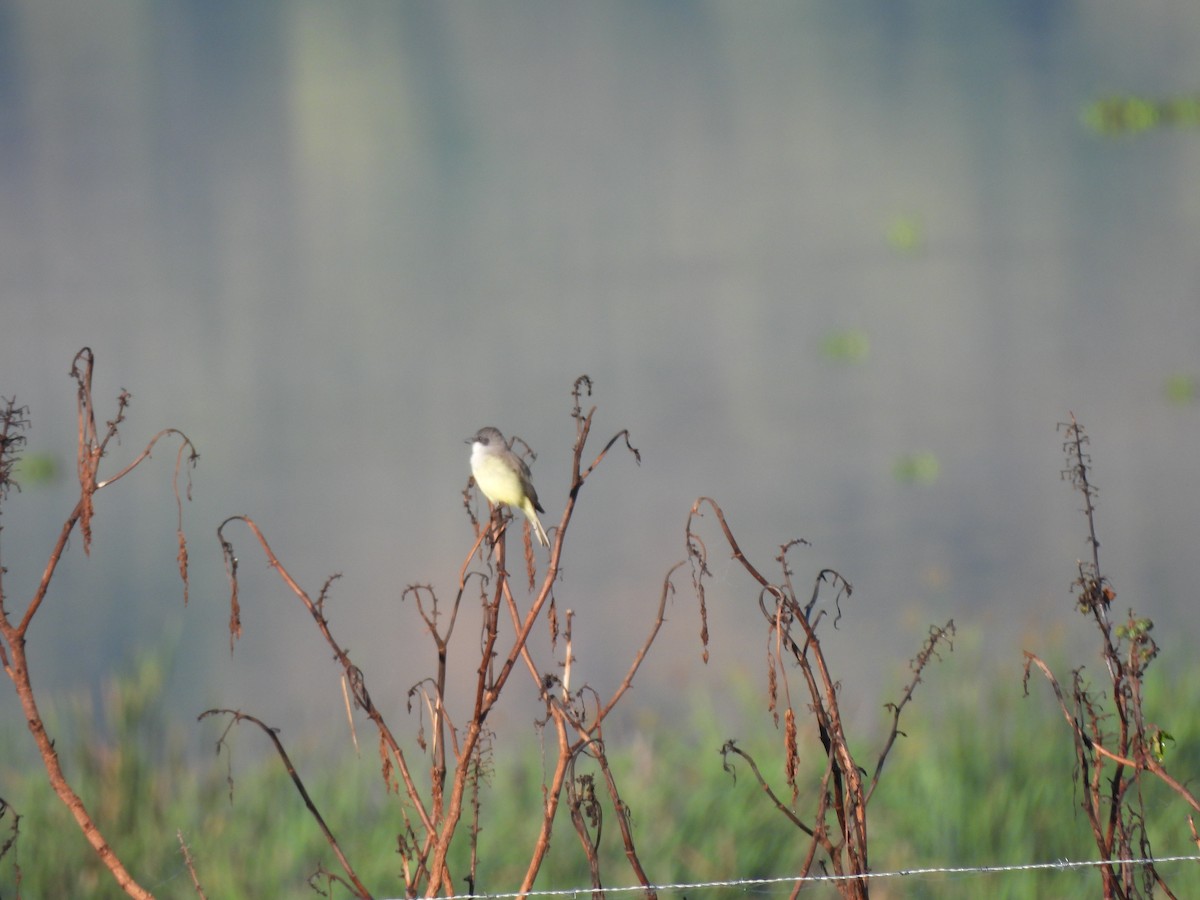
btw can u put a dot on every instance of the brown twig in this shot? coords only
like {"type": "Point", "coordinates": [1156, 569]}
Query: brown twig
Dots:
{"type": "Point", "coordinates": [944, 634]}
{"type": "Point", "coordinates": [667, 591]}
{"type": "Point", "coordinates": [191, 866]}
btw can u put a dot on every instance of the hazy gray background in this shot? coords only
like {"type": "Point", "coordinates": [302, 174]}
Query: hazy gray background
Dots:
{"type": "Point", "coordinates": [330, 241]}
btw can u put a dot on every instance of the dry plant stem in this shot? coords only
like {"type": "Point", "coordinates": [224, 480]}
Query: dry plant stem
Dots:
{"type": "Point", "coordinates": [1095, 598]}
{"type": "Point", "coordinates": [18, 670]}
{"type": "Point", "coordinates": [631, 855]}
{"type": "Point", "coordinates": [478, 772]}
{"type": "Point", "coordinates": [590, 735]}
{"type": "Point", "coordinates": [824, 705]}
{"type": "Point", "coordinates": [551, 796]}
{"type": "Point", "coordinates": [273, 734]}
{"type": "Point", "coordinates": [444, 733]}
{"type": "Point", "coordinates": [1085, 742]}
{"type": "Point", "coordinates": [491, 682]}
{"type": "Point", "coordinates": [581, 802]}
{"type": "Point", "coordinates": [928, 653]}
{"type": "Point", "coordinates": [330, 879]}
{"type": "Point", "coordinates": [668, 589]}
{"type": "Point", "coordinates": [390, 749]}
{"type": "Point", "coordinates": [842, 788]}
{"type": "Point", "coordinates": [1113, 747]}
{"type": "Point", "coordinates": [732, 747]}
{"type": "Point", "coordinates": [11, 840]}
{"type": "Point", "coordinates": [847, 794]}
{"type": "Point", "coordinates": [354, 675]}
{"type": "Point", "coordinates": [515, 616]}
{"type": "Point", "coordinates": [564, 721]}
{"type": "Point", "coordinates": [92, 445]}
{"type": "Point", "coordinates": [191, 866]}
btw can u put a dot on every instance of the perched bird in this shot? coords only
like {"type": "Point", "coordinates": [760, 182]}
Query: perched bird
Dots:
{"type": "Point", "coordinates": [504, 477]}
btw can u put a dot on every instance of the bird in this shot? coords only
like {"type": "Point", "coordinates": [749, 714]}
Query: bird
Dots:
{"type": "Point", "coordinates": [504, 477]}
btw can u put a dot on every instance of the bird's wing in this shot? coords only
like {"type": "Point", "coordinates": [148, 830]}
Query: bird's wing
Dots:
{"type": "Point", "coordinates": [526, 480]}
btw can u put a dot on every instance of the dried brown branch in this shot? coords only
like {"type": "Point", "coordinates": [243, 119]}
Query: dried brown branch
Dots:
{"type": "Point", "coordinates": [551, 797]}
{"type": "Point", "coordinates": [568, 713]}
{"type": "Point", "coordinates": [91, 448]}
{"type": "Point", "coordinates": [574, 729]}
{"type": "Point", "coordinates": [623, 819]}
{"type": "Point", "coordinates": [1087, 742]}
{"type": "Point", "coordinates": [14, 420]}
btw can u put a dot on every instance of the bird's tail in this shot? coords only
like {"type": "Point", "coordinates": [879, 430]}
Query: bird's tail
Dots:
{"type": "Point", "coordinates": [531, 514]}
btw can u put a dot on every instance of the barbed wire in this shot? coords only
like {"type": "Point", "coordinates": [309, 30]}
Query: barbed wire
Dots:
{"type": "Point", "coordinates": [1060, 864]}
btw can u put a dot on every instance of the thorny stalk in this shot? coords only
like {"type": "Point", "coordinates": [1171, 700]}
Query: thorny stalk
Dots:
{"type": "Point", "coordinates": [191, 865]}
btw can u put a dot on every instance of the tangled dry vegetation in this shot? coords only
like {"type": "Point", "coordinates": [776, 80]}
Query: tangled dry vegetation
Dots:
{"type": "Point", "coordinates": [438, 770]}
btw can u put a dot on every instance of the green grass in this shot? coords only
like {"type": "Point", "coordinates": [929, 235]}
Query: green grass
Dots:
{"type": "Point", "coordinates": [983, 777]}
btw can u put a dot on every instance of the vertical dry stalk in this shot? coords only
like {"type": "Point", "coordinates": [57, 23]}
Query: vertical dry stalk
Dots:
{"type": "Point", "coordinates": [579, 730]}
{"type": "Point", "coordinates": [1113, 744]}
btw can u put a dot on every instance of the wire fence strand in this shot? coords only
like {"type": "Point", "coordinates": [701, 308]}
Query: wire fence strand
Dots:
{"type": "Point", "coordinates": [1061, 864]}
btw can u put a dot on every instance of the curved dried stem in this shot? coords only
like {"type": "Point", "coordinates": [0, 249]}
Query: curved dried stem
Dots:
{"type": "Point", "coordinates": [668, 590]}
{"type": "Point", "coordinates": [793, 631]}
{"type": "Point", "coordinates": [237, 716]}
{"type": "Point", "coordinates": [731, 746]}
{"type": "Point", "coordinates": [81, 515]}
{"type": "Point", "coordinates": [390, 747]}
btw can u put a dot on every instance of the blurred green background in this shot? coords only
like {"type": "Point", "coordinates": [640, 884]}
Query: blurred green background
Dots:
{"type": "Point", "coordinates": [982, 777]}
